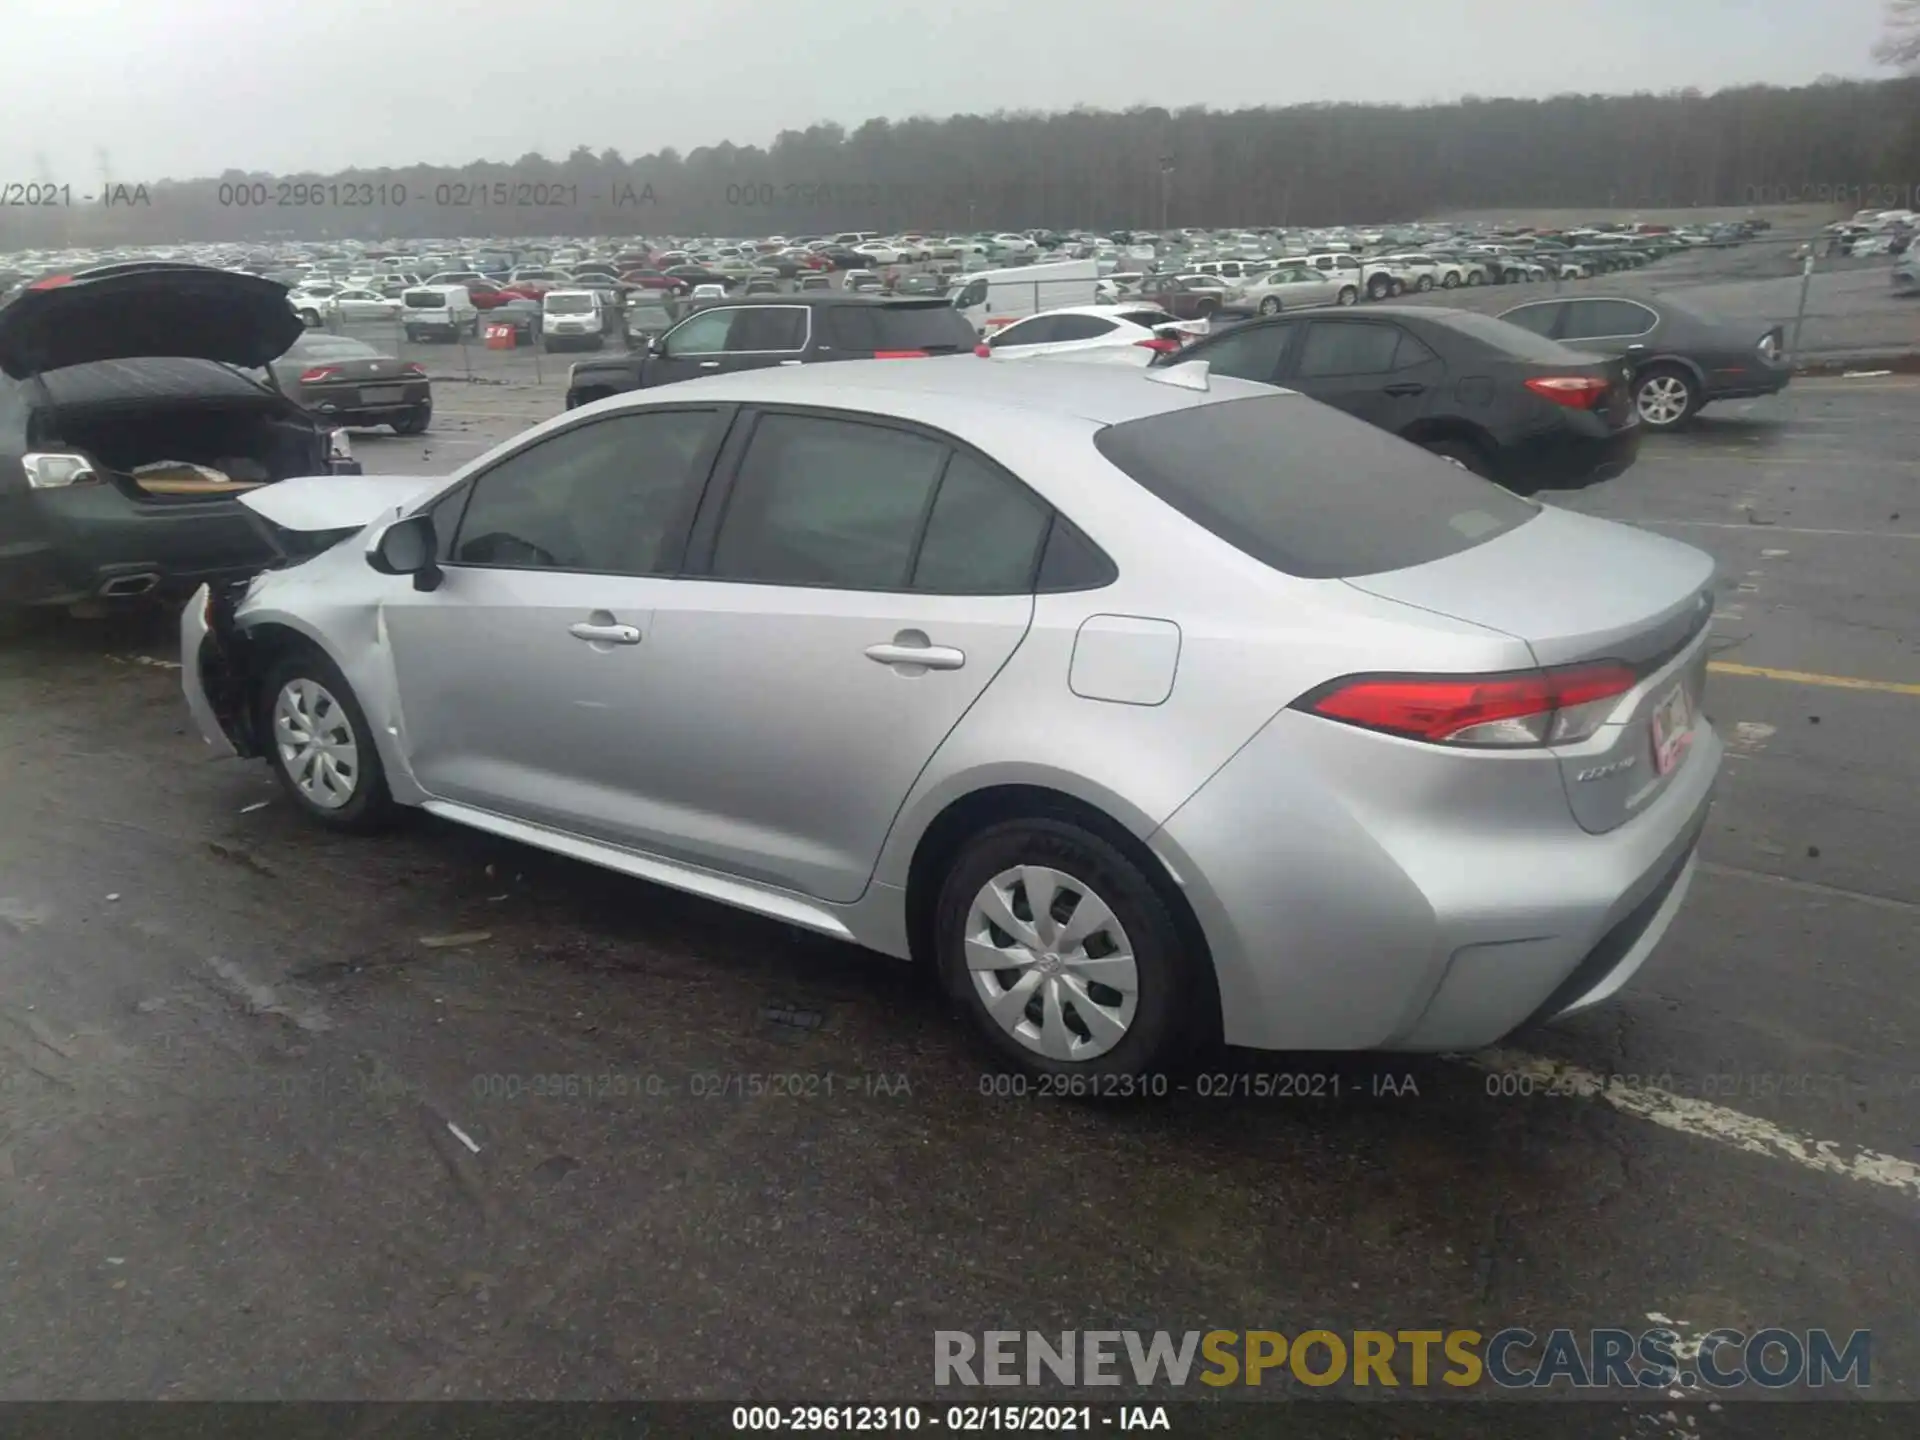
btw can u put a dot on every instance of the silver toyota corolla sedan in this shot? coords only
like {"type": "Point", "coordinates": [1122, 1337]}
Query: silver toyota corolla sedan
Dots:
{"type": "Point", "coordinates": [1150, 707]}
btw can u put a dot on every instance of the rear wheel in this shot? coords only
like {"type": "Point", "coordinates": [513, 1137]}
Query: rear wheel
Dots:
{"type": "Point", "coordinates": [1064, 953]}
{"type": "Point", "coordinates": [1270, 305]}
{"type": "Point", "coordinates": [1666, 397]}
{"type": "Point", "coordinates": [1450, 280]}
{"type": "Point", "coordinates": [414, 422]}
{"type": "Point", "coordinates": [320, 745]}
{"type": "Point", "coordinates": [1426, 283]}
{"type": "Point", "coordinates": [1379, 287]}
{"type": "Point", "coordinates": [1348, 295]}
{"type": "Point", "coordinates": [310, 319]}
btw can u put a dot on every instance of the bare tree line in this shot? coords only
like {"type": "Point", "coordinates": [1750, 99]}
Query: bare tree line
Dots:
{"type": "Point", "coordinates": [1851, 144]}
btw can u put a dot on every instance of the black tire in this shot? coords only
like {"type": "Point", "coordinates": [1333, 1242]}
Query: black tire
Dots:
{"type": "Point", "coordinates": [370, 804]}
{"type": "Point", "coordinates": [1347, 296]}
{"type": "Point", "coordinates": [310, 319]}
{"type": "Point", "coordinates": [1206, 309]}
{"type": "Point", "coordinates": [1463, 453]}
{"type": "Point", "coordinates": [1397, 289]}
{"type": "Point", "coordinates": [413, 337]}
{"type": "Point", "coordinates": [1425, 283]}
{"type": "Point", "coordinates": [1474, 277]}
{"type": "Point", "coordinates": [1379, 287]}
{"type": "Point", "coordinates": [1270, 305]}
{"type": "Point", "coordinates": [1173, 984]}
{"type": "Point", "coordinates": [1672, 380]}
{"type": "Point", "coordinates": [1450, 281]}
{"type": "Point", "coordinates": [414, 422]}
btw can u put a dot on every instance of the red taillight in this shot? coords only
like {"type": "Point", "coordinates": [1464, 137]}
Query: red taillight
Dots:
{"type": "Point", "coordinates": [1163, 347]}
{"type": "Point", "coordinates": [985, 352]}
{"type": "Point", "coordinates": [899, 354]}
{"type": "Point", "coordinates": [414, 368]}
{"type": "Point", "coordinates": [1540, 707]}
{"type": "Point", "coordinates": [1576, 392]}
{"type": "Point", "coordinates": [317, 374]}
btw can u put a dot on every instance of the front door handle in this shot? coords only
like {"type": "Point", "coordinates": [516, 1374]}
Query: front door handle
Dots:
{"type": "Point", "coordinates": [606, 634]}
{"type": "Point", "coordinates": [709, 364]}
{"type": "Point", "coordinates": [1406, 388]}
{"type": "Point", "coordinates": [911, 651]}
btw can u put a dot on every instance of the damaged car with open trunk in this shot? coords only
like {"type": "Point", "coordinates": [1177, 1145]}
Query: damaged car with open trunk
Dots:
{"type": "Point", "coordinates": [130, 425]}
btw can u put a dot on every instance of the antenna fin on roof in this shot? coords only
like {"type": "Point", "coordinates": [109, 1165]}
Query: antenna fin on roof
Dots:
{"type": "Point", "coordinates": [1190, 376]}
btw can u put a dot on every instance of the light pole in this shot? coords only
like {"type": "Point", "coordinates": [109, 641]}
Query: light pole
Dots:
{"type": "Point", "coordinates": [1166, 189]}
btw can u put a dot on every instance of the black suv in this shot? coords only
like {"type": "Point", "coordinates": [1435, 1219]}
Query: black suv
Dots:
{"type": "Point", "coordinates": [755, 332]}
{"type": "Point", "coordinates": [129, 423]}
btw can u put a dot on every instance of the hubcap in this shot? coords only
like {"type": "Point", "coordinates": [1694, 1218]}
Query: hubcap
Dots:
{"type": "Point", "coordinates": [1051, 963]}
{"type": "Point", "coordinates": [1663, 399]}
{"type": "Point", "coordinates": [316, 743]}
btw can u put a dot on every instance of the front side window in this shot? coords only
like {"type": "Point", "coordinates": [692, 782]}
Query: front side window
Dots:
{"type": "Point", "coordinates": [702, 334]}
{"type": "Point", "coordinates": [603, 498]}
{"type": "Point", "coordinates": [1080, 327]}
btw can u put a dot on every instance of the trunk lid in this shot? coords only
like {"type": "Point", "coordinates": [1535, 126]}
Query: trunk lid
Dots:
{"type": "Point", "coordinates": [1576, 589]}
{"type": "Point", "coordinates": [146, 309]}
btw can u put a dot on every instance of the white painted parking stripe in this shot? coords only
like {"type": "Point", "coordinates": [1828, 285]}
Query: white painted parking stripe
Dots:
{"type": "Point", "coordinates": [1706, 1120]}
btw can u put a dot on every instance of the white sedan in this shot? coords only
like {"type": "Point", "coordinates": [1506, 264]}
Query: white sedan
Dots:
{"type": "Point", "coordinates": [1122, 334]}
{"type": "Point", "coordinates": [1297, 287]}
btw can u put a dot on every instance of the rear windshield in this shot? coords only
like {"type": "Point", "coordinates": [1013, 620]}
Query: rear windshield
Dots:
{"type": "Point", "coordinates": [569, 304]}
{"type": "Point", "coordinates": [425, 300]}
{"type": "Point", "coordinates": [937, 329]}
{"type": "Point", "coordinates": [1309, 490]}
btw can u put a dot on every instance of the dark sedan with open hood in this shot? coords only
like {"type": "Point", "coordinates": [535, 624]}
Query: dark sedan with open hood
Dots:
{"type": "Point", "coordinates": [129, 425]}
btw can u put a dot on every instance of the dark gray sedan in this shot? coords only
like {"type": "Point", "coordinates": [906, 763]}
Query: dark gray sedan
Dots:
{"type": "Point", "coordinates": [1681, 358]}
{"type": "Point", "coordinates": [353, 384]}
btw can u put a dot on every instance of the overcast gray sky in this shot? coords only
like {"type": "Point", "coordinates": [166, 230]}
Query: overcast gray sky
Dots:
{"type": "Point", "coordinates": [194, 87]}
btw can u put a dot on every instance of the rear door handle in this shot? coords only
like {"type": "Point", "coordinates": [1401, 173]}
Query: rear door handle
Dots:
{"type": "Point", "coordinates": [1406, 389]}
{"type": "Point", "coordinates": [709, 364]}
{"type": "Point", "coordinates": [921, 656]}
{"type": "Point", "coordinates": [606, 634]}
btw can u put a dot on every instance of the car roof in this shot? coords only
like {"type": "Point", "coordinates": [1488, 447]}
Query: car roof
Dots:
{"type": "Point", "coordinates": [1104, 394]}
{"type": "Point", "coordinates": [1105, 312]}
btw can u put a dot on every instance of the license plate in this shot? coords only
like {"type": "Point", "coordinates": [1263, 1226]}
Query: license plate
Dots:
{"type": "Point", "coordinates": [1672, 729]}
{"type": "Point", "coordinates": [382, 395]}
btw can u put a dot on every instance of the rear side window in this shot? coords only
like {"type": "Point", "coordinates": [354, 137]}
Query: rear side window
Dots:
{"type": "Point", "coordinates": [1340, 348]}
{"type": "Point", "coordinates": [984, 535]}
{"type": "Point", "coordinates": [827, 502]}
{"type": "Point", "coordinates": [1539, 319]}
{"type": "Point", "coordinates": [759, 329]}
{"type": "Point", "coordinates": [1510, 338]}
{"type": "Point", "coordinates": [935, 328]}
{"type": "Point", "coordinates": [1080, 327]}
{"type": "Point", "coordinates": [1248, 352]}
{"type": "Point", "coordinates": [1040, 330]}
{"type": "Point", "coordinates": [1309, 490]}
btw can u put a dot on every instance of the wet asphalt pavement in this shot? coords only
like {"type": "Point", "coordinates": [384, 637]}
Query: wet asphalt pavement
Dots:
{"type": "Point", "coordinates": [287, 1115]}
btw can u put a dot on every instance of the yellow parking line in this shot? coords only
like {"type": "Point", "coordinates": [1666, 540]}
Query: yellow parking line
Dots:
{"type": "Point", "coordinates": [1808, 677]}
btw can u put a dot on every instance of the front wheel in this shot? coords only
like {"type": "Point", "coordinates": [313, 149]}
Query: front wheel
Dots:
{"type": "Point", "coordinates": [1064, 953]}
{"type": "Point", "coordinates": [1426, 283]}
{"type": "Point", "coordinates": [1379, 287]}
{"type": "Point", "coordinates": [1270, 305]}
{"type": "Point", "coordinates": [320, 744]}
{"type": "Point", "coordinates": [1666, 397]}
{"type": "Point", "coordinates": [310, 319]}
{"type": "Point", "coordinates": [1450, 281]}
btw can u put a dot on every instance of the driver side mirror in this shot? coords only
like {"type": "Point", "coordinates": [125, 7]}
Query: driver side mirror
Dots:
{"type": "Point", "coordinates": [408, 547]}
